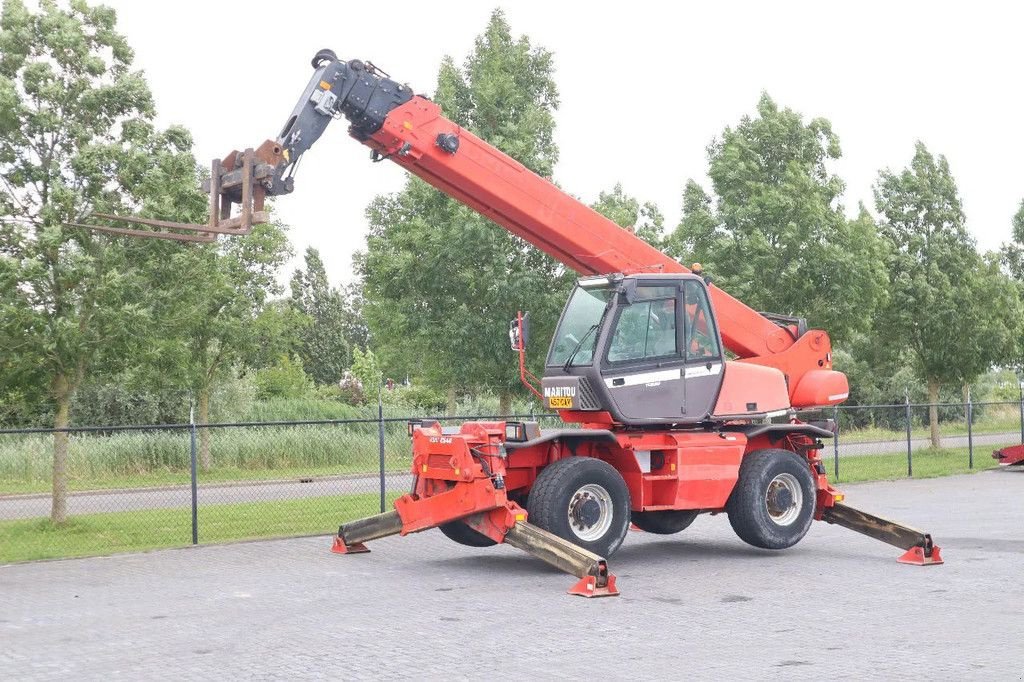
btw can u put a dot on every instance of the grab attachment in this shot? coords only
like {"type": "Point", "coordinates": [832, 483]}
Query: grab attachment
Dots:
{"type": "Point", "coordinates": [242, 178]}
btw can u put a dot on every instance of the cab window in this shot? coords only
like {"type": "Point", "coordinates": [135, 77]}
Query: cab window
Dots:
{"type": "Point", "coordinates": [699, 325]}
{"type": "Point", "coordinates": [645, 329]}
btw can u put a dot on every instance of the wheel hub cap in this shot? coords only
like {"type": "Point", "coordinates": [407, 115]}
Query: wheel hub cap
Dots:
{"type": "Point", "coordinates": [784, 499]}
{"type": "Point", "coordinates": [590, 512]}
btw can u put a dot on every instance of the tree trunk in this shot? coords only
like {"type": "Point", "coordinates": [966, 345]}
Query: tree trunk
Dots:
{"type": "Point", "coordinates": [204, 434]}
{"type": "Point", "coordinates": [933, 412]}
{"type": "Point", "coordinates": [505, 404]}
{"type": "Point", "coordinates": [59, 497]}
{"type": "Point", "coordinates": [452, 401]}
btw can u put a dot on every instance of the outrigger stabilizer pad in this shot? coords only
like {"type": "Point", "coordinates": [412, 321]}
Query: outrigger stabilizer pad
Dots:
{"type": "Point", "coordinates": [594, 586]}
{"type": "Point", "coordinates": [340, 547]}
{"type": "Point", "coordinates": [916, 557]}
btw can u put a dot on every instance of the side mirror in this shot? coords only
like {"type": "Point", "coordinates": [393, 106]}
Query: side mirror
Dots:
{"type": "Point", "coordinates": [519, 331]}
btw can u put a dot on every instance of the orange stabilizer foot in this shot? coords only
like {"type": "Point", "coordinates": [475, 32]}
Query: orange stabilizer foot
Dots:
{"type": "Point", "coordinates": [916, 557]}
{"type": "Point", "coordinates": [340, 547]}
{"type": "Point", "coordinates": [588, 587]}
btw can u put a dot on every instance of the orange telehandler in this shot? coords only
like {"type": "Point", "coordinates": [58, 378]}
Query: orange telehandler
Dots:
{"type": "Point", "coordinates": [683, 400]}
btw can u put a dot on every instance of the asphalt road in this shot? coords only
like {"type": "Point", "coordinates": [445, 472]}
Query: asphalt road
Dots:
{"type": "Point", "coordinates": [699, 605]}
{"type": "Point", "coordinates": [32, 506]}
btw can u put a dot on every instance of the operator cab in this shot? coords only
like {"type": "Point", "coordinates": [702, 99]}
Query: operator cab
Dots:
{"type": "Point", "coordinates": [644, 348]}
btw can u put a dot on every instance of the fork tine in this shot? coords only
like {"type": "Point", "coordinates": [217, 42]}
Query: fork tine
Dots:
{"type": "Point", "coordinates": [126, 232]}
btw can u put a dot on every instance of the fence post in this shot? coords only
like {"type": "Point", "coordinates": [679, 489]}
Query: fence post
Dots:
{"type": "Point", "coordinates": [194, 476]}
{"type": "Point", "coordinates": [835, 443]}
{"type": "Point", "coordinates": [910, 447]}
{"type": "Point", "coordinates": [380, 441]}
{"type": "Point", "coordinates": [970, 432]}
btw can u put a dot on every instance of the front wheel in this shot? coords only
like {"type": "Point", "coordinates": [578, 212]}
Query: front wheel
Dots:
{"type": "Point", "coordinates": [772, 505]}
{"type": "Point", "coordinates": [582, 500]}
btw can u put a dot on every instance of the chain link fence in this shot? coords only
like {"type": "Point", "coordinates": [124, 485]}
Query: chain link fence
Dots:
{"type": "Point", "coordinates": [879, 442]}
{"type": "Point", "coordinates": [141, 487]}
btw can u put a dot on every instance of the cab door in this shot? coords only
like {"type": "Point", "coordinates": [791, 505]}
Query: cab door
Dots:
{"type": "Point", "coordinates": [643, 363]}
{"type": "Point", "coordinates": [704, 366]}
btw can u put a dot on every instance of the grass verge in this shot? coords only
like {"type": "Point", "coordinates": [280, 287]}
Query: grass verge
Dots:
{"type": "Point", "coordinates": [929, 463]}
{"type": "Point", "coordinates": [112, 533]}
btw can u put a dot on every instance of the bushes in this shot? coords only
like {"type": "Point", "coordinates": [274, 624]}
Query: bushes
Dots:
{"type": "Point", "coordinates": [285, 379]}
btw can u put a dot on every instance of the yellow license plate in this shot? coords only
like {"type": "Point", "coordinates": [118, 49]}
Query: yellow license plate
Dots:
{"type": "Point", "coordinates": [561, 401]}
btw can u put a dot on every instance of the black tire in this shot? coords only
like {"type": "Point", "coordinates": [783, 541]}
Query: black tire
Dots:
{"type": "Point", "coordinates": [772, 505]}
{"type": "Point", "coordinates": [464, 535]}
{"type": "Point", "coordinates": [664, 522]}
{"type": "Point", "coordinates": [595, 492]}
{"type": "Point", "coordinates": [323, 56]}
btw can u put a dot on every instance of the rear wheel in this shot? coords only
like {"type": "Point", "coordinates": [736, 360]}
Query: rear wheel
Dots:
{"type": "Point", "coordinates": [772, 505]}
{"type": "Point", "coordinates": [461, 533]}
{"type": "Point", "coordinates": [582, 500]}
{"type": "Point", "coordinates": [664, 522]}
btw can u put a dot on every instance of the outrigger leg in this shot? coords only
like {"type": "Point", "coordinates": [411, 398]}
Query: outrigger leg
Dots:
{"type": "Point", "coordinates": [506, 523]}
{"type": "Point", "coordinates": [920, 550]}
{"type": "Point", "coordinates": [351, 536]}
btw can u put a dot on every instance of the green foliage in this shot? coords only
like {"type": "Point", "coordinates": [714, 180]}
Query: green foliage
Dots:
{"type": "Point", "coordinates": [367, 371]}
{"type": "Point", "coordinates": [77, 136]}
{"type": "Point", "coordinates": [1012, 256]}
{"type": "Point", "coordinates": [276, 331]}
{"type": "Point", "coordinates": [285, 379]}
{"type": "Point", "coordinates": [440, 281]}
{"type": "Point", "coordinates": [113, 403]}
{"type": "Point", "coordinates": [335, 324]}
{"type": "Point", "coordinates": [1013, 252]}
{"type": "Point", "coordinates": [645, 220]}
{"type": "Point", "coordinates": [416, 400]}
{"type": "Point", "coordinates": [954, 311]}
{"type": "Point", "coordinates": [778, 239]}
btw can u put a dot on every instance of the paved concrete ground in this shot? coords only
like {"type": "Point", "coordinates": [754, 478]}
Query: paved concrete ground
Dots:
{"type": "Point", "coordinates": [38, 505]}
{"type": "Point", "coordinates": [700, 604]}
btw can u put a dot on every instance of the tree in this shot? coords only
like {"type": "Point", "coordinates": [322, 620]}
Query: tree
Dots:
{"type": "Point", "coordinates": [947, 305]}
{"type": "Point", "coordinates": [229, 282]}
{"type": "Point", "coordinates": [76, 135]}
{"type": "Point", "coordinates": [324, 350]}
{"type": "Point", "coordinates": [366, 370]}
{"type": "Point", "coordinates": [778, 238]}
{"type": "Point", "coordinates": [440, 281]}
{"type": "Point", "coordinates": [353, 324]}
{"type": "Point", "coordinates": [698, 232]}
{"type": "Point", "coordinates": [277, 331]}
{"type": "Point", "coordinates": [1012, 255]}
{"type": "Point", "coordinates": [645, 220]}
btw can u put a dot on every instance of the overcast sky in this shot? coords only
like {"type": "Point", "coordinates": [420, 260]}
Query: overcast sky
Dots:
{"type": "Point", "coordinates": [645, 86]}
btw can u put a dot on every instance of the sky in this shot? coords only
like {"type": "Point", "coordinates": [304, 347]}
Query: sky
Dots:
{"type": "Point", "coordinates": [644, 88]}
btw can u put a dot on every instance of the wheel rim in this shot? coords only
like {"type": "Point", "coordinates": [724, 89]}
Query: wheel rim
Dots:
{"type": "Point", "coordinates": [784, 499]}
{"type": "Point", "coordinates": [590, 512]}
